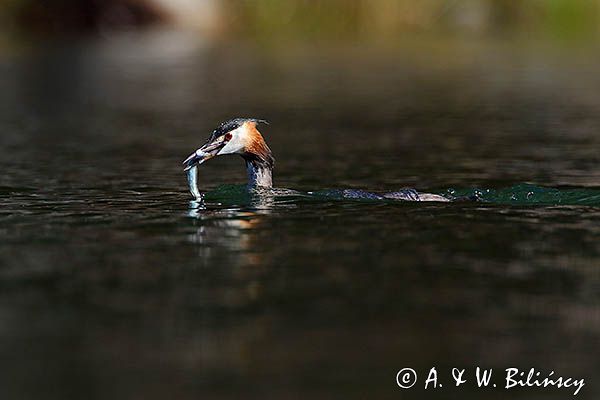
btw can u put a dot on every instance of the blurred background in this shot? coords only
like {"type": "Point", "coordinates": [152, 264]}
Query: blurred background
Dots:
{"type": "Point", "coordinates": [339, 20]}
{"type": "Point", "coordinates": [113, 286]}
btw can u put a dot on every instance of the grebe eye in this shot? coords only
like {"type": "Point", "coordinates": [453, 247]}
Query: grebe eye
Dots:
{"type": "Point", "coordinates": [228, 137]}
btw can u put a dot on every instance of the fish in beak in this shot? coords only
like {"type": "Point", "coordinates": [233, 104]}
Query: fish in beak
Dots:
{"type": "Point", "coordinates": [204, 153]}
{"type": "Point", "coordinates": [190, 164]}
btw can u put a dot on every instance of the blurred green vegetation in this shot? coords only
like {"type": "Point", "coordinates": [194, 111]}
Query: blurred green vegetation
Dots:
{"type": "Point", "coordinates": [303, 19]}
{"type": "Point", "coordinates": [366, 18]}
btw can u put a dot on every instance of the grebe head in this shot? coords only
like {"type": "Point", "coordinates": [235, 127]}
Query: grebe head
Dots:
{"type": "Point", "coordinates": [238, 136]}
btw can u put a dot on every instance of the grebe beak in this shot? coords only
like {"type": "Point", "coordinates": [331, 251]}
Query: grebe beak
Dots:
{"type": "Point", "coordinates": [204, 153]}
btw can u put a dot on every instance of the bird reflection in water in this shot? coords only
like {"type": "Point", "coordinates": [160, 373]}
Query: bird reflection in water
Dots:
{"type": "Point", "coordinates": [226, 233]}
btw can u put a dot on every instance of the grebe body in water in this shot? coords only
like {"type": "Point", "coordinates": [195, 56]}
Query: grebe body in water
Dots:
{"type": "Point", "coordinates": [241, 136]}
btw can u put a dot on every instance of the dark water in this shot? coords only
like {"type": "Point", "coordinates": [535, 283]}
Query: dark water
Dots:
{"type": "Point", "coordinates": [113, 285]}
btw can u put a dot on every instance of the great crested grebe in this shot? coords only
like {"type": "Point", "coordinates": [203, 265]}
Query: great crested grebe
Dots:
{"type": "Point", "coordinates": [240, 136]}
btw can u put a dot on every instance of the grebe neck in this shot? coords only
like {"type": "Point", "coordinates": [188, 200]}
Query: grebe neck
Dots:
{"type": "Point", "coordinates": [259, 174]}
{"type": "Point", "coordinates": [259, 161]}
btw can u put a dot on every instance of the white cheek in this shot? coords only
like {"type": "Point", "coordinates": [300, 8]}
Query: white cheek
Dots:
{"type": "Point", "coordinates": [235, 145]}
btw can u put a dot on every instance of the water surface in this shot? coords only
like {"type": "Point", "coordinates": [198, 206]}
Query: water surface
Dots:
{"type": "Point", "coordinates": [113, 285]}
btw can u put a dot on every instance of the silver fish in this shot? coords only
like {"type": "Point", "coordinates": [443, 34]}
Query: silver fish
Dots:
{"type": "Point", "coordinates": [192, 177]}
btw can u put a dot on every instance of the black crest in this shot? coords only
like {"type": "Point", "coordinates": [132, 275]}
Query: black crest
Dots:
{"type": "Point", "coordinates": [233, 124]}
